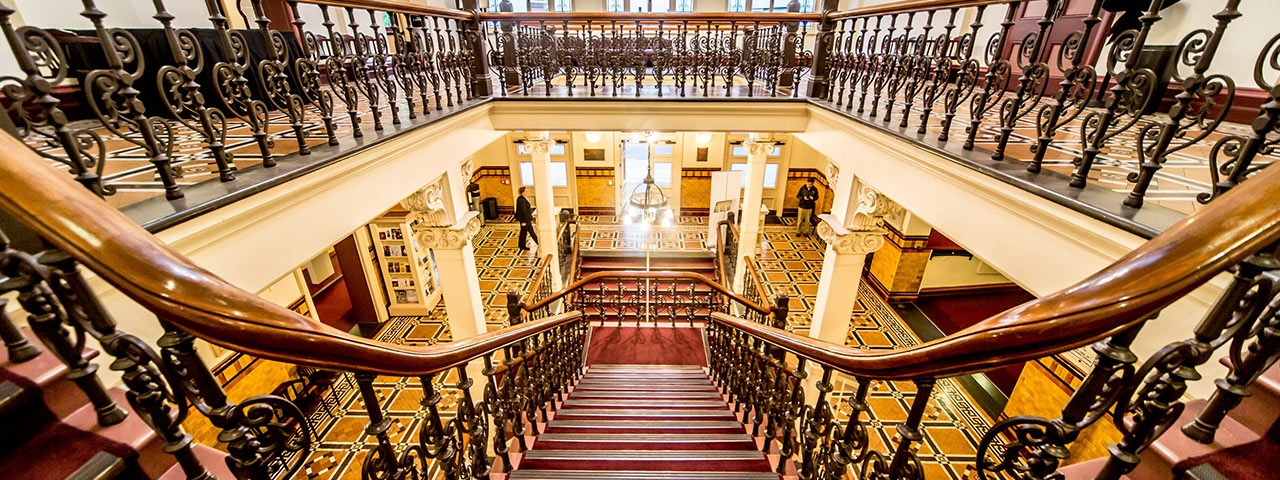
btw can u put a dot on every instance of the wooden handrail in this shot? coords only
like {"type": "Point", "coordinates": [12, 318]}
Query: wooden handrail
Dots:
{"type": "Point", "coordinates": [753, 269]}
{"type": "Point", "coordinates": [660, 275]}
{"type": "Point", "coordinates": [398, 6]}
{"type": "Point", "coordinates": [739, 17]}
{"type": "Point", "coordinates": [909, 6]}
{"type": "Point", "coordinates": [544, 269]}
{"type": "Point", "coordinates": [1139, 284]}
{"type": "Point", "coordinates": [194, 299]}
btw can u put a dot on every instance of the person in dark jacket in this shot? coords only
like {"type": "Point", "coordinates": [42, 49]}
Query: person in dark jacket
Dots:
{"type": "Point", "coordinates": [808, 196]}
{"type": "Point", "coordinates": [524, 215]}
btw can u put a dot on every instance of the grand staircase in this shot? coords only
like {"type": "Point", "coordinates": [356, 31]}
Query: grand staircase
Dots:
{"type": "Point", "coordinates": [642, 422]}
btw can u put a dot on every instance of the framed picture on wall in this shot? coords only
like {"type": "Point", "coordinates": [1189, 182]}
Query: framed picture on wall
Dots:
{"type": "Point", "coordinates": [593, 154]}
{"type": "Point", "coordinates": [702, 154]}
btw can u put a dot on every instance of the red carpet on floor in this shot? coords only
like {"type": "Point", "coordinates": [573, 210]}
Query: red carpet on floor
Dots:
{"type": "Point", "coordinates": [646, 346]}
{"type": "Point", "coordinates": [952, 313]}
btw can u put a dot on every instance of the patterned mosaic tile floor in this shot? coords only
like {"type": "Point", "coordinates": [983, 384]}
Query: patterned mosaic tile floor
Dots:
{"type": "Point", "coordinates": [952, 426]}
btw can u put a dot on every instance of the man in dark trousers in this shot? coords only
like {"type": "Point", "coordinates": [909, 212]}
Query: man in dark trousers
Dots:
{"type": "Point", "coordinates": [524, 215]}
{"type": "Point", "coordinates": [808, 196]}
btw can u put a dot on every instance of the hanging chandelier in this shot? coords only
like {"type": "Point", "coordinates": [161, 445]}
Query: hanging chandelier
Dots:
{"type": "Point", "coordinates": [647, 205]}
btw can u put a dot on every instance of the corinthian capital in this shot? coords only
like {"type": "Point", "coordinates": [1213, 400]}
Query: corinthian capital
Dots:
{"type": "Point", "coordinates": [872, 206]}
{"type": "Point", "coordinates": [449, 238]}
{"type": "Point", "coordinates": [539, 146]}
{"type": "Point", "coordinates": [758, 147]}
{"type": "Point", "coordinates": [844, 241]}
{"type": "Point", "coordinates": [428, 204]}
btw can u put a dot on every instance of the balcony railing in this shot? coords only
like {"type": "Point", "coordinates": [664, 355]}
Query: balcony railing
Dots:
{"type": "Point", "coordinates": [1041, 99]}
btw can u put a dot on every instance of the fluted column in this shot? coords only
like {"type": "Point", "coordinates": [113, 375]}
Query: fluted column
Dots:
{"type": "Point", "coordinates": [540, 152]}
{"type": "Point", "coordinates": [456, 262]}
{"type": "Point", "coordinates": [847, 249]}
{"type": "Point", "coordinates": [758, 149]}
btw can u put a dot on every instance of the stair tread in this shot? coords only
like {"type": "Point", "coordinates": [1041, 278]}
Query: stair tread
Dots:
{"type": "Point", "coordinates": [637, 475]}
{"type": "Point", "coordinates": [1174, 446]}
{"type": "Point", "coordinates": [603, 412]}
{"type": "Point", "coordinates": [56, 451]}
{"type": "Point", "coordinates": [645, 437]}
{"type": "Point", "coordinates": [667, 455]}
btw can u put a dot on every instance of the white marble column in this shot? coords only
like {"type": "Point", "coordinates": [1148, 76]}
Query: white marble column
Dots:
{"type": "Point", "coordinates": [758, 150]}
{"type": "Point", "coordinates": [540, 152]}
{"type": "Point", "coordinates": [456, 261]}
{"type": "Point", "coordinates": [846, 255]}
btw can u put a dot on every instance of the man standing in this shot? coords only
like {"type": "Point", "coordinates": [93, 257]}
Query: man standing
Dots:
{"type": "Point", "coordinates": [524, 215]}
{"type": "Point", "coordinates": [808, 196]}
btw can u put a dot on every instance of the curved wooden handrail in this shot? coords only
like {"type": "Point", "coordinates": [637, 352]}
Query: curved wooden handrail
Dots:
{"type": "Point", "coordinates": [1127, 292]}
{"type": "Point", "coordinates": [739, 17]}
{"type": "Point", "coordinates": [753, 269]}
{"type": "Point", "coordinates": [398, 6]}
{"type": "Point", "coordinates": [544, 271]}
{"type": "Point", "coordinates": [909, 6]}
{"type": "Point", "coordinates": [194, 299]}
{"type": "Point", "coordinates": [660, 275]}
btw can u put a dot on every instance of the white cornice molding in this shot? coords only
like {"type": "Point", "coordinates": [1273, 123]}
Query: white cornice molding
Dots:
{"type": "Point", "coordinates": [452, 237]}
{"type": "Point", "coordinates": [688, 115]}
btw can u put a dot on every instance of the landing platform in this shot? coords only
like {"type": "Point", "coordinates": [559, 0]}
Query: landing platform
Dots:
{"type": "Point", "coordinates": [646, 345]}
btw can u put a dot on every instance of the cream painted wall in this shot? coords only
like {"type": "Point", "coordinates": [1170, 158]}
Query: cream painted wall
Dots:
{"type": "Point", "coordinates": [953, 271]}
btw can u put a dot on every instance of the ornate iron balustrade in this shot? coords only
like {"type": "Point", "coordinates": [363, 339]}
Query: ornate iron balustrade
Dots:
{"type": "Point", "coordinates": [675, 55]}
{"type": "Point", "coordinates": [901, 61]}
{"type": "Point", "coordinates": [156, 91]}
{"type": "Point", "coordinates": [726, 250]}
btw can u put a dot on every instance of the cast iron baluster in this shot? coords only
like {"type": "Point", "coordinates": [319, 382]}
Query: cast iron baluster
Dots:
{"type": "Point", "coordinates": [181, 94]}
{"type": "Point", "coordinates": [567, 52]}
{"type": "Point", "coordinates": [309, 74]}
{"type": "Point", "coordinates": [49, 320]}
{"type": "Point", "coordinates": [1194, 108]}
{"type": "Point", "coordinates": [686, 58]}
{"type": "Point", "coordinates": [661, 47]}
{"type": "Point", "coordinates": [15, 342]}
{"type": "Point", "coordinates": [888, 63]}
{"type": "Point", "coordinates": [966, 77]}
{"type": "Point", "coordinates": [1231, 159]}
{"type": "Point", "coordinates": [401, 62]}
{"type": "Point", "coordinates": [444, 61]}
{"type": "Point", "coordinates": [379, 67]}
{"type": "Point", "coordinates": [997, 79]}
{"type": "Point", "coordinates": [803, 61]}
{"type": "Point", "coordinates": [732, 56]}
{"type": "Point", "coordinates": [271, 74]}
{"type": "Point", "coordinates": [233, 87]}
{"type": "Point", "coordinates": [753, 59]}
{"type": "Point", "coordinates": [939, 65]}
{"type": "Point", "coordinates": [919, 63]}
{"type": "Point", "coordinates": [1032, 83]}
{"type": "Point", "coordinates": [1079, 82]}
{"type": "Point", "coordinates": [905, 465]}
{"type": "Point", "coordinates": [360, 61]}
{"type": "Point", "coordinates": [336, 69]}
{"type": "Point", "coordinates": [381, 461]}
{"type": "Point", "coordinates": [453, 66]}
{"type": "Point", "coordinates": [1039, 445]}
{"type": "Point", "coordinates": [875, 63]}
{"type": "Point", "coordinates": [466, 59]}
{"type": "Point", "coordinates": [857, 59]}
{"type": "Point", "coordinates": [902, 67]}
{"type": "Point", "coordinates": [430, 61]}
{"type": "Point", "coordinates": [816, 423]}
{"type": "Point", "coordinates": [259, 432]}
{"type": "Point", "coordinates": [114, 100]}
{"type": "Point", "coordinates": [1254, 348]}
{"type": "Point", "coordinates": [473, 430]}
{"type": "Point", "coordinates": [637, 57]}
{"type": "Point", "coordinates": [849, 444]}
{"type": "Point", "coordinates": [837, 63]}
{"type": "Point", "coordinates": [40, 57]}
{"type": "Point", "coordinates": [499, 43]}
{"type": "Point", "coordinates": [1126, 98]}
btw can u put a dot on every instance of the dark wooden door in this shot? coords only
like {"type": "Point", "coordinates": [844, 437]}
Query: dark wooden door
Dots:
{"type": "Point", "coordinates": [1070, 19]}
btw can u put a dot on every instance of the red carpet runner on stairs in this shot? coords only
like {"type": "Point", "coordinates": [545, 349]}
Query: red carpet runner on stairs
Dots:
{"type": "Point", "coordinates": [644, 422]}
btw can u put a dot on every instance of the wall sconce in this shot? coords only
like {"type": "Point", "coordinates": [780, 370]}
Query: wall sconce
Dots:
{"type": "Point", "coordinates": [592, 137]}
{"type": "Point", "coordinates": [702, 138]}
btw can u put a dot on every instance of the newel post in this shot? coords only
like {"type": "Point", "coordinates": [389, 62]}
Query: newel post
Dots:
{"type": "Point", "coordinates": [481, 83]}
{"type": "Point", "coordinates": [822, 51]}
{"type": "Point", "coordinates": [780, 311]}
{"type": "Point", "coordinates": [513, 307]}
